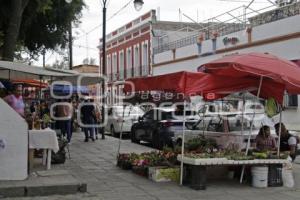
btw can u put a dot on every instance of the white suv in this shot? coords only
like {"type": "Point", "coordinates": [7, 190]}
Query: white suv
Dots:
{"type": "Point", "coordinates": [115, 118]}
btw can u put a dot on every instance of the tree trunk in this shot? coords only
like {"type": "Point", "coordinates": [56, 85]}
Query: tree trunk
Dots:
{"type": "Point", "coordinates": [12, 32]}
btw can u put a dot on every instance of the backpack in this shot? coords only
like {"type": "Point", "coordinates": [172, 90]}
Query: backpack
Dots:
{"type": "Point", "coordinates": [60, 156]}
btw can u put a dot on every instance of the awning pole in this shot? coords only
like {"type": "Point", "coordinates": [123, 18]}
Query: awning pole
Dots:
{"type": "Point", "coordinates": [182, 142]}
{"type": "Point", "coordinates": [242, 132]}
{"type": "Point", "coordinates": [121, 133]}
{"type": "Point", "coordinates": [251, 126]}
{"type": "Point", "coordinates": [279, 134]}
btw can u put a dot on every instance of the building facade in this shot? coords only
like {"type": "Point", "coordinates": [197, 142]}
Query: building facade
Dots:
{"type": "Point", "coordinates": [129, 49]}
{"type": "Point", "coordinates": [275, 30]}
{"type": "Point", "coordinates": [128, 53]}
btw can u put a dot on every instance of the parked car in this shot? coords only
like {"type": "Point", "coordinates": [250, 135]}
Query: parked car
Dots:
{"type": "Point", "coordinates": [115, 118]}
{"type": "Point", "coordinates": [225, 129]}
{"type": "Point", "coordinates": [216, 108]}
{"type": "Point", "coordinates": [157, 126]}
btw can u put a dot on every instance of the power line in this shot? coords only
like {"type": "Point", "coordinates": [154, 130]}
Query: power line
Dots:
{"type": "Point", "coordinates": [80, 46]}
{"type": "Point", "coordinates": [115, 14]}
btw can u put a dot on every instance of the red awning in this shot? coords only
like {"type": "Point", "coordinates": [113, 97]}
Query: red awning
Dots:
{"type": "Point", "coordinates": [30, 83]}
{"type": "Point", "coordinates": [255, 65]}
{"type": "Point", "coordinates": [209, 86]}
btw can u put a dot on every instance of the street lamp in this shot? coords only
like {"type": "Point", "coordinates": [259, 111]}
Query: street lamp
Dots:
{"type": "Point", "coordinates": [138, 6]}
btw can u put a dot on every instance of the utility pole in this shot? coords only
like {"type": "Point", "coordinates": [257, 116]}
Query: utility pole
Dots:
{"type": "Point", "coordinates": [70, 47]}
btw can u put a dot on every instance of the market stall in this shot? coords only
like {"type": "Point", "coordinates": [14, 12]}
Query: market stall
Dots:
{"type": "Point", "coordinates": [14, 136]}
{"type": "Point", "coordinates": [263, 75]}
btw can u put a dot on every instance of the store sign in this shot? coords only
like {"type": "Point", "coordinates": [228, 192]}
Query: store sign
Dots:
{"type": "Point", "coordinates": [230, 40]}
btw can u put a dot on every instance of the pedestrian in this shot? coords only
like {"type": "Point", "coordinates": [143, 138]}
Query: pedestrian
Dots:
{"type": "Point", "coordinates": [264, 140]}
{"type": "Point", "coordinates": [15, 99]}
{"type": "Point", "coordinates": [64, 115]}
{"type": "Point", "coordinates": [288, 142]}
{"type": "Point", "coordinates": [88, 116]}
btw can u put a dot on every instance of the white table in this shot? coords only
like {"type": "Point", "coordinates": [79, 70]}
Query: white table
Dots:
{"type": "Point", "coordinates": [45, 139]}
{"type": "Point", "coordinates": [195, 168]}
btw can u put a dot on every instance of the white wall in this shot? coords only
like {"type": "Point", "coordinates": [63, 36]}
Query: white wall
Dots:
{"type": "Point", "coordinates": [277, 28]}
{"type": "Point", "coordinates": [288, 49]}
{"type": "Point", "coordinates": [14, 131]}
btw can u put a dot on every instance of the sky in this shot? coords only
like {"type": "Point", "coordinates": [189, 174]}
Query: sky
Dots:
{"type": "Point", "coordinates": [87, 34]}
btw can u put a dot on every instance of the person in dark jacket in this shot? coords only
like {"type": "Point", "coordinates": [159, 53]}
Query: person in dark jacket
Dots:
{"type": "Point", "coordinates": [87, 111]}
{"type": "Point", "coordinates": [288, 142]}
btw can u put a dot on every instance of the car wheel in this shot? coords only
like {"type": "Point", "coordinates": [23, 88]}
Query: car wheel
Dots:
{"type": "Point", "coordinates": [133, 138]}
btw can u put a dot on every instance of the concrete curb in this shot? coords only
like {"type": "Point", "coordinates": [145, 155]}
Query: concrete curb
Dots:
{"type": "Point", "coordinates": [45, 190]}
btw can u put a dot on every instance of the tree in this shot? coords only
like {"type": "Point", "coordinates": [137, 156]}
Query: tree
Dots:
{"type": "Point", "coordinates": [36, 25]}
{"type": "Point", "coordinates": [13, 26]}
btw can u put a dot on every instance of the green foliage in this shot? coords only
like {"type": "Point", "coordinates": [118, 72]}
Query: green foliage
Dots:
{"type": "Point", "coordinates": [169, 173]}
{"type": "Point", "coordinates": [44, 25]}
{"type": "Point", "coordinates": [201, 144]}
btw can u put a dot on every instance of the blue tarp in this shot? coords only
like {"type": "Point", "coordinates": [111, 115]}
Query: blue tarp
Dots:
{"type": "Point", "coordinates": [67, 89]}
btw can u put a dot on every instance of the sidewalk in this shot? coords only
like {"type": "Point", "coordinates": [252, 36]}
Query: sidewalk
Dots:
{"type": "Point", "coordinates": [93, 163]}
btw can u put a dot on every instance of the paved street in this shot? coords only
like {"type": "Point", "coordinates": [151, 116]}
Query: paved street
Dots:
{"type": "Point", "coordinates": [94, 163]}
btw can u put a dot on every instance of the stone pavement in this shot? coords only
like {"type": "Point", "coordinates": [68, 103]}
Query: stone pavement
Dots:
{"type": "Point", "coordinates": [94, 164]}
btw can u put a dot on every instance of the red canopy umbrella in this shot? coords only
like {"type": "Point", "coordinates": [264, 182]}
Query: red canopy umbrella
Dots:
{"type": "Point", "coordinates": [212, 86]}
{"type": "Point", "coordinates": [258, 65]}
{"type": "Point", "coordinates": [209, 86]}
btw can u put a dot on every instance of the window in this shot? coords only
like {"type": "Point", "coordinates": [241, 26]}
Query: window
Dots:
{"type": "Point", "coordinates": [149, 115]}
{"type": "Point", "coordinates": [145, 66]}
{"type": "Point", "coordinates": [114, 67]}
{"type": "Point", "coordinates": [215, 124]}
{"type": "Point", "coordinates": [121, 65]}
{"type": "Point", "coordinates": [108, 67]}
{"type": "Point", "coordinates": [129, 63]}
{"type": "Point", "coordinates": [136, 61]}
{"type": "Point", "coordinates": [293, 101]}
{"type": "Point", "coordinates": [214, 44]}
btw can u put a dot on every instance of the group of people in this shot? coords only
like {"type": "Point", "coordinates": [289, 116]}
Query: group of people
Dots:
{"type": "Point", "coordinates": [65, 113]}
{"type": "Point", "coordinates": [288, 142]}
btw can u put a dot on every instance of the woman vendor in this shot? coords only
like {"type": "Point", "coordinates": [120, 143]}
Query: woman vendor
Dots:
{"type": "Point", "coordinates": [264, 140]}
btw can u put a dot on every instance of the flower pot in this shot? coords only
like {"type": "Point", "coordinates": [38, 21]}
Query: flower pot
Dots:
{"type": "Point", "coordinates": [126, 165]}
{"type": "Point", "coordinates": [164, 174]}
{"type": "Point", "coordinates": [140, 170]}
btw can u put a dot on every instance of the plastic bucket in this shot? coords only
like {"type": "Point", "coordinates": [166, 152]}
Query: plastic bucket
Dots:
{"type": "Point", "coordinates": [259, 177]}
{"type": "Point", "coordinates": [288, 178]}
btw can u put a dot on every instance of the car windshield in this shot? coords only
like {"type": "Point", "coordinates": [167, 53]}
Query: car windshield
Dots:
{"type": "Point", "coordinates": [225, 124]}
{"type": "Point", "coordinates": [258, 107]}
{"type": "Point", "coordinates": [129, 110]}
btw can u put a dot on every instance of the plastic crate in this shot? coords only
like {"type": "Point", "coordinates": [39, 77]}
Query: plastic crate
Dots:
{"type": "Point", "coordinates": [275, 176]}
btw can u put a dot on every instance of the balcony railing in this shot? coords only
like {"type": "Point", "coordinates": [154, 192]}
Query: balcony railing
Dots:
{"type": "Point", "coordinates": [277, 14]}
{"type": "Point", "coordinates": [225, 26]}
{"type": "Point", "coordinates": [130, 73]}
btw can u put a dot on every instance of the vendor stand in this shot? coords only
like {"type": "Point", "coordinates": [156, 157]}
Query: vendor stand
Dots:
{"type": "Point", "coordinates": [14, 135]}
{"type": "Point", "coordinates": [264, 75]}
